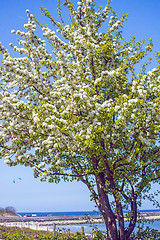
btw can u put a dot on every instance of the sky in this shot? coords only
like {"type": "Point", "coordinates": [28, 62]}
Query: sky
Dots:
{"type": "Point", "coordinates": [30, 194]}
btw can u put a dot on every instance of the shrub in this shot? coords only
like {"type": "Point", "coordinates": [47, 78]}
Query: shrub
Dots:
{"type": "Point", "coordinates": [146, 234]}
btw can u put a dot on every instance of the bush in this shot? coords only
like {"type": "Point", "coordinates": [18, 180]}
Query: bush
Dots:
{"type": "Point", "coordinates": [1, 210]}
{"type": "Point", "coordinates": [14, 233]}
{"type": "Point", "coordinates": [146, 234]}
{"type": "Point", "coordinates": [98, 235]}
{"type": "Point", "coordinates": [10, 209]}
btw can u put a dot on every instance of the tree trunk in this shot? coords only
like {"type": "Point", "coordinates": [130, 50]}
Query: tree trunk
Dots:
{"type": "Point", "coordinates": [110, 223]}
{"type": "Point", "coordinates": [103, 204]}
{"type": "Point", "coordinates": [105, 209]}
{"type": "Point", "coordinates": [120, 218]}
{"type": "Point", "coordinates": [133, 220]}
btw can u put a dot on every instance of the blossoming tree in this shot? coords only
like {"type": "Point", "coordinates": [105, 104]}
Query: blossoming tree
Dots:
{"type": "Point", "coordinates": [82, 112]}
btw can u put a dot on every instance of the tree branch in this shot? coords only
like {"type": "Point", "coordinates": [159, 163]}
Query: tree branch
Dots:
{"type": "Point", "coordinates": [133, 219]}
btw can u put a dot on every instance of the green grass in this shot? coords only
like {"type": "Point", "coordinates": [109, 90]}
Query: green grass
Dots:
{"type": "Point", "coordinates": [15, 233]}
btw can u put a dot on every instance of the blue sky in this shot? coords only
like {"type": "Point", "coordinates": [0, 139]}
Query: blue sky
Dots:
{"type": "Point", "coordinates": [30, 194]}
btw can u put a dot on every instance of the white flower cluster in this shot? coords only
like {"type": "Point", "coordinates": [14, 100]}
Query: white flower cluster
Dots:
{"type": "Point", "coordinates": [63, 105]}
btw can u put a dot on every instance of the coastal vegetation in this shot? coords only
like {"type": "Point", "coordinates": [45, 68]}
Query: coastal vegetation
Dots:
{"type": "Point", "coordinates": [7, 211]}
{"type": "Point", "coordinates": [14, 233]}
{"type": "Point", "coordinates": [75, 104]}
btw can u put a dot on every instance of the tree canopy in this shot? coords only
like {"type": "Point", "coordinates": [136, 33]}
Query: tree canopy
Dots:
{"type": "Point", "coordinates": [74, 107]}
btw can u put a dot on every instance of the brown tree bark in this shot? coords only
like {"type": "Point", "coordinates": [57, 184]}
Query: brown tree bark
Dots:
{"type": "Point", "coordinates": [105, 208]}
{"type": "Point", "coordinates": [102, 201]}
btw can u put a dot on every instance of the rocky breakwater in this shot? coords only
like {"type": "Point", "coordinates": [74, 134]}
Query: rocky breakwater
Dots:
{"type": "Point", "coordinates": [61, 220]}
{"type": "Point", "coordinates": [49, 219]}
{"type": "Point", "coordinates": [150, 215]}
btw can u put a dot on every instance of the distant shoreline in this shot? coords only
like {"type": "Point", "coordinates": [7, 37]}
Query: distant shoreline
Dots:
{"type": "Point", "coordinates": [60, 213]}
{"type": "Point", "coordinates": [67, 220]}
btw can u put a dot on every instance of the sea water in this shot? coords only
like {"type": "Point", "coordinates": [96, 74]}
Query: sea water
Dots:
{"type": "Point", "coordinates": [87, 227]}
{"type": "Point", "coordinates": [42, 214]}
